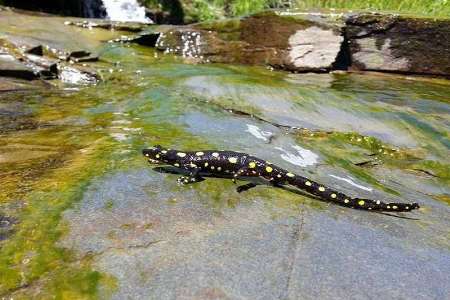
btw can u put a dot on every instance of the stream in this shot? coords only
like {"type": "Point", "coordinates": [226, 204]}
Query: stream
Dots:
{"type": "Point", "coordinates": [84, 215]}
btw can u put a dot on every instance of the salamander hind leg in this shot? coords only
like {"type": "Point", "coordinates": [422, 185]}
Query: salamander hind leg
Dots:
{"type": "Point", "coordinates": [245, 187]}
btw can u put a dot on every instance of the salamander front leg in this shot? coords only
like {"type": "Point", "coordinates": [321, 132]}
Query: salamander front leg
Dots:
{"type": "Point", "coordinates": [191, 178]}
{"type": "Point", "coordinates": [245, 187]}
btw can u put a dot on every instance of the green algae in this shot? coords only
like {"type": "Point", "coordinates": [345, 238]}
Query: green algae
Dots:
{"type": "Point", "coordinates": [443, 198]}
{"type": "Point", "coordinates": [352, 151]}
{"type": "Point", "coordinates": [31, 261]}
{"type": "Point", "coordinates": [434, 168]}
{"type": "Point", "coordinates": [31, 252]}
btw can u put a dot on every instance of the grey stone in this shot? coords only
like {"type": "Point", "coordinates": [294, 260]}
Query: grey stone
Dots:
{"type": "Point", "coordinates": [166, 242]}
{"type": "Point", "coordinates": [399, 44]}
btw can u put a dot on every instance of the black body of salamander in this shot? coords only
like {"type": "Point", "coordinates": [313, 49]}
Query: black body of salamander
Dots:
{"type": "Point", "coordinates": [235, 165]}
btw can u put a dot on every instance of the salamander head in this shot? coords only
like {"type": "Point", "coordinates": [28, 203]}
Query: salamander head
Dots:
{"type": "Point", "coordinates": [156, 154]}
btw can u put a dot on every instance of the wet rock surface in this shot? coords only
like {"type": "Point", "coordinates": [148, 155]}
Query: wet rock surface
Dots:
{"type": "Point", "coordinates": [165, 242]}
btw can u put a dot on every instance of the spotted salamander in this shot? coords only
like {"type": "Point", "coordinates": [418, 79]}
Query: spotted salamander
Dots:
{"type": "Point", "coordinates": [235, 165]}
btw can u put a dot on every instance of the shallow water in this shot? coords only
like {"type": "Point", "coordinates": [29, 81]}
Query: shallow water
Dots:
{"type": "Point", "coordinates": [87, 217]}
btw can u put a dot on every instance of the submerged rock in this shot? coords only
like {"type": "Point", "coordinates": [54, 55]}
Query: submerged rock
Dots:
{"type": "Point", "coordinates": [76, 76]}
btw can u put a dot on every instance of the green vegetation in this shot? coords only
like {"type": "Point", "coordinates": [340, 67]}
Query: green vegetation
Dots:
{"type": "Point", "coordinates": [436, 8]}
{"type": "Point", "coordinates": [202, 10]}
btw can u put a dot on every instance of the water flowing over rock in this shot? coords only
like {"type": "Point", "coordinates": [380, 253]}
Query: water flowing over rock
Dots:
{"type": "Point", "coordinates": [83, 216]}
{"type": "Point", "coordinates": [125, 11]}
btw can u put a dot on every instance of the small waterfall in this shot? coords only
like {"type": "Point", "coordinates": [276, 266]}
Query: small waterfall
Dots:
{"type": "Point", "coordinates": [125, 11]}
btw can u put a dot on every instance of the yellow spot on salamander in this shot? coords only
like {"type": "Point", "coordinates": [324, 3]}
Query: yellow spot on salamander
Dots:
{"type": "Point", "coordinates": [290, 175]}
{"type": "Point", "coordinates": [232, 160]}
{"type": "Point", "coordinates": [269, 169]}
{"type": "Point", "coordinates": [206, 164]}
{"type": "Point", "coordinates": [346, 201]}
{"type": "Point", "coordinates": [219, 168]}
{"type": "Point", "coordinates": [146, 154]}
{"type": "Point", "coordinates": [388, 207]}
{"type": "Point", "coordinates": [308, 183]}
{"type": "Point", "coordinates": [215, 154]}
{"type": "Point", "coordinates": [361, 202]}
{"type": "Point", "coordinates": [321, 188]}
{"type": "Point", "coordinates": [193, 165]}
{"type": "Point", "coordinates": [212, 167]}
{"type": "Point", "coordinates": [199, 153]}
{"type": "Point", "coordinates": [378, 202]}
{"type": "Point", "coordinates": [394, 207]}
{"type": "Point", "coordinates": [333, 195]}
{"type": "Point", "coordinates": [252, 165]}
{"type": "Point", "coordinates": [176, 164]}
{"type": "Point", "coordinates": [157, 156]}
{"type": "Point", "coordinates": [163, 151]}
{"type": "Point", "coordinates": [181, 154]}
{"type": "Point", "coordinates": [279, 176]}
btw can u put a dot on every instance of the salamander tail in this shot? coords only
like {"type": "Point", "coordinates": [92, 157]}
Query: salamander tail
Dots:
{"type": "Point", "coordinates": [328, 194]}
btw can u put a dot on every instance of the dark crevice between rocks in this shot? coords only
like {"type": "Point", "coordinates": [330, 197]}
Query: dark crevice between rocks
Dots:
{"type": "Point", "coordinates": [344, 58]}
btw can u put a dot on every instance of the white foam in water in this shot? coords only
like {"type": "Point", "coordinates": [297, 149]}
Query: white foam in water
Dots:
{"type": "Point", "coordinates": [302, 158]}
{"type": "Point", "coordinates": [125, 11]}
{"type": "Point", "coordinates": [258, 133]}
{"type": "Point", "coordinates": [348, 180]}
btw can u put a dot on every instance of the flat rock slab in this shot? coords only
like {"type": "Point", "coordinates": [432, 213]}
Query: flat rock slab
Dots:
{"type": "Point", "coordinates": [11, 67]}
{"type": "Point", "coordinates": [399, 44]}
{"type": "Point", "coordinates": [162, 241]}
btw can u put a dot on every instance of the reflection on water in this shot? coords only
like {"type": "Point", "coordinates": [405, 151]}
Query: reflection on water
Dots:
{"type": "Point", "coordinates": [302, 158]}
{"type": "Point", "coordinates": [349, 180]}
{"type": "Point", "coordinates": [258, 133]}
